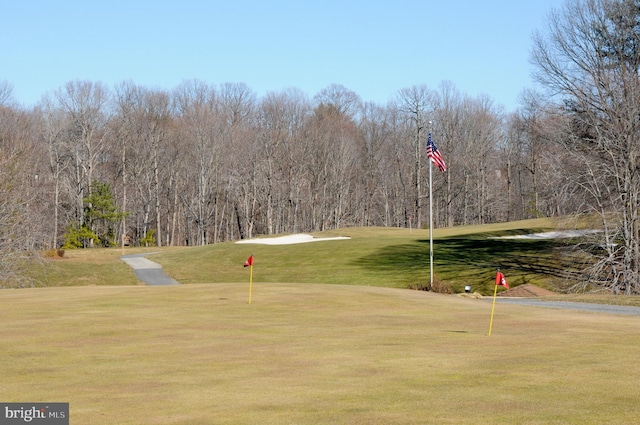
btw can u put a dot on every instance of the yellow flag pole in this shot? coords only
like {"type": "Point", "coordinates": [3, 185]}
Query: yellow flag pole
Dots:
{"type": "Point", "coordinates": [250, 282]}
{"type": "Point", "coordinates": [493, 306]}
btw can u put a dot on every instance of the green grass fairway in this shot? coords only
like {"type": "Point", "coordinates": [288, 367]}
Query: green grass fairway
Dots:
{"type": "Point", "coordinates": [389, 257]}
{"type": "Point", "coordinates": [312, 354]}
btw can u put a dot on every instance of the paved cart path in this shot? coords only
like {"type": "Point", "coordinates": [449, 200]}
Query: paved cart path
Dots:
{"type": "Point", "coordinates": [147, 271]}
{"type": "Point", "coordinates": [594, 308]}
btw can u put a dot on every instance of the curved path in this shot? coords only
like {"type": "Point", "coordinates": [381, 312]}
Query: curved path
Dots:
{"type": "Point", "coordinates": [147, 271]}
{"type": "Point", "coordinates": [595, 308]}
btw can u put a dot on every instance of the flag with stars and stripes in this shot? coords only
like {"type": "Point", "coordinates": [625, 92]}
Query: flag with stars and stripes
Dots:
{"type": "Point", "coordinates": [434, 154]}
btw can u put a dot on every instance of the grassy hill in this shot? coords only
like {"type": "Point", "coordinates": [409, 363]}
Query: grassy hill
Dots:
{"type": "Point", "coordinates": [396, 258]}
{"type": "Point", "coordinates": [389, 257]}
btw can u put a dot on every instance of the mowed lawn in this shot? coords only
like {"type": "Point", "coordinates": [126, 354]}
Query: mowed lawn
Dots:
{"type": "Point", "coordinates": [312, 354]}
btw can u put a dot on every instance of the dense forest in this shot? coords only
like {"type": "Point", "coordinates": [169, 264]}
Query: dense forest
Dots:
{"type": "Point", "coordinates": [204, 162]}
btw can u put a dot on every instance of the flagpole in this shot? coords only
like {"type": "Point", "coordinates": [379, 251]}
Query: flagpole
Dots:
{"type": "Point", "coordinates": [430, 220]}
{"type": "Point", "coordinates": [493, 306]}
{"type": "Point", "coordinates": [250, 282]}
{"type": "Point", "coordinates": [249, 263]}
{"type": "Point", "coordinates": [430, 229]}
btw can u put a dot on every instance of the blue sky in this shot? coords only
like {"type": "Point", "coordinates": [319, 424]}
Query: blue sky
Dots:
{"type": "Point", "coordinates": [372, 47]}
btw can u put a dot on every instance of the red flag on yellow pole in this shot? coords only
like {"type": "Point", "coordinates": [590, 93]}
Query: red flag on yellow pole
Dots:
{"type": "Point", "coordinates": [500, 281]}
{"type": "Point", "coordinates": [249, 263]}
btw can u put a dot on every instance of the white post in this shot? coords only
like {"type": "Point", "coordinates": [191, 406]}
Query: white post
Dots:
{"type": "Point", "coordinates": [430, 230]}
{"type": "Point", "coordinates": [430, 219]}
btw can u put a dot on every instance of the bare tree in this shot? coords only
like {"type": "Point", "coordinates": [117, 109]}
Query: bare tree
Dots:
{"type": "Point", "coordinates": [237, 104]}
{"type": "Point", "coordinates": [53, 126]}
{"type": "Point", "coordinates": [142, 127]}
{"type": "Point", "coordinates": [19, 195]}
{"type": "Point", "coordinates": [345, 101]}
{"type": "Point", "coordinates": [468, 132]}
{"type": "Point", "coordinates": [281, 117]}
{"type": "Point", "coordinates": [6, 93]}
{"type": "Point", "coordinates": [449, 136]}
{"type": "Point", "coordinates": [201, 128]}
{"type": "Point", "coordinates": [416, 104]}
{"type": "Point", "coordinates": [376, 127]}
{"type": "Point", "coordinates": [85, 104]}
{"type": "Point", "coordinates": [485, 136]}
{"type": "Point", "coordinates": [590, 57]}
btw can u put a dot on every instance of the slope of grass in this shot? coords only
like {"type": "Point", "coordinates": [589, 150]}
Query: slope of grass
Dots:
{"type": "Point", "coordinates": [464, 255]}
{"type": "Point", "coordinates": [82, 267]}
{"type": "Point", "coordinates": [312, 354]}
{"type": "Point", "coordinates": [379, 257]}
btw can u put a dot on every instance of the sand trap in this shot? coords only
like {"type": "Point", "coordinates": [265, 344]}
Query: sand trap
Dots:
{"type": "Point", "coordinates": [551, 235]}
{"type": "Point", "coordinates": [291, 239]}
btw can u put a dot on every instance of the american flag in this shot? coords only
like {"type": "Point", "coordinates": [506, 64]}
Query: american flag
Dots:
{"type": "Point", "coordinates": [434, 154]}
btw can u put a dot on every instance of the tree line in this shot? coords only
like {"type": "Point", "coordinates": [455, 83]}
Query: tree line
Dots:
{"type": "Point", "coordinates": [201, 163]}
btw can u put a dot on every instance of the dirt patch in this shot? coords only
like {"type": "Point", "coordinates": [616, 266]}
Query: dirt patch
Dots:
{"type": "Point", "coordinates": [526, 291]}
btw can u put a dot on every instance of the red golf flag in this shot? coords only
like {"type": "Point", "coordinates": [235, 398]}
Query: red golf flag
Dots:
{"type": "Point", "coordinates": [249, 261]}
{"type": "Point", "coordinates": [500, 280]}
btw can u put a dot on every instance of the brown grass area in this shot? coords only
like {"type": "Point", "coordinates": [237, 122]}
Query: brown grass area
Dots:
{"type": "Point", "coordinates": [83, 267]}
{"type": "Point", "coordinates": [310, 354]}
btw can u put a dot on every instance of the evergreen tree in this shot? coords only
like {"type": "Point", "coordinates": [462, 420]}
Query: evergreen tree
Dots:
{"type": "Point", "coordinates": [101, 218]}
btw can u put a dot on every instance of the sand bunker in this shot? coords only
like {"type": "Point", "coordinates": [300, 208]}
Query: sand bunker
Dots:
{"type": "Point", "coordinates": [551, 235]}
{"type": "Point", "coordinates": [291, 239]}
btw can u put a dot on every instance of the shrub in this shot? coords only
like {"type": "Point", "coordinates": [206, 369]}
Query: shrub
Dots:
{"type": "Point", "coordinates": [149, 239]}
{"type": "Point", "coordinates": [438, 286]}
{"type": "Point", "coordinates": [79, 237]}
{"type": "Point", "coordinates": [441, 287]}
{"type": "Point", "coordinates": [54, 253]}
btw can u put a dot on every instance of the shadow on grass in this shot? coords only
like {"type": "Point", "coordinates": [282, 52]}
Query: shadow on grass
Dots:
{"type": "Point", "coordinates": [473, 260]}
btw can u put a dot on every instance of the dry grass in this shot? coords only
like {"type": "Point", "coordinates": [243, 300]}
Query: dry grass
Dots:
{"type": "Point", "coordinates": [312, 354]}
{"type": "Point", "coordinates": [82, 267]}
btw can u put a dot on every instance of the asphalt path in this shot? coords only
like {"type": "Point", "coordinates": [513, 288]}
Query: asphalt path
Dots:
{"type": "Point", "coordinates": [568, 305]}
{"type": "Point", "coordinates": [147, 271]}
{"type": "Point", "coordinates": [151, 273]}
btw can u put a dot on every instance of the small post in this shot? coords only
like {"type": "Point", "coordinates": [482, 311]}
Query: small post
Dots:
{"type": "Point", "coordinates": [493, 306]}
{"type": "Point", "coordinates": [249, 263]}
{"type": "Point", "coordinates": [250, 282]}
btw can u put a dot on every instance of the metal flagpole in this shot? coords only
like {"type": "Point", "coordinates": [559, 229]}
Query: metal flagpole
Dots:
{"type": "Point", "coordinates": [430, 219]}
